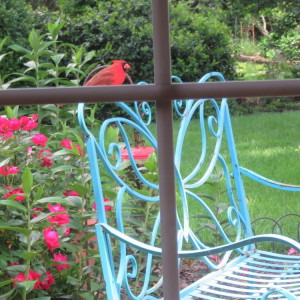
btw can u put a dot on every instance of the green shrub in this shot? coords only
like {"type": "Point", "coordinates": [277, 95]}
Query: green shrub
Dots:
{"type": "Point", "coordinates": [117, 30]}
{"type": "Point", "coordinates": [15, 23]}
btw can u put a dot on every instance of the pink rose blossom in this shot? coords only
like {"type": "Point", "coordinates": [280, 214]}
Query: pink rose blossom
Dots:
{"type": "Point", "coordinates": [58, 219]}
{"type": "Point", "coordinates": [59, 257]}
{"type": "Point", "coordinates": [14, 124]}
{"type": "Point", "coordinates": [8, 170]}
{"type": "Point", "coordinates": [51, 237]}
{"type": "Point", "coordinates": [31, 276]}
{"type": "Point", "coordinates": [56, 208]}
{"type": "Point", "coordinates": [70, 193]}
{"type": "Point", "coordinates": [66, 144]}
{"type": "Point", "coordinates": [11, 191]}
{"type": "Point", "coordinates": [39, 139]}
{"type": "Point", "coordinates": [12, 170]}
{"type": "Point", "coordinates": [49, 280]}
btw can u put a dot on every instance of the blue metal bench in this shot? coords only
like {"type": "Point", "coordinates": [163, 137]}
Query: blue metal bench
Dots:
{"type": "Point", "coordinates": [130, 252]}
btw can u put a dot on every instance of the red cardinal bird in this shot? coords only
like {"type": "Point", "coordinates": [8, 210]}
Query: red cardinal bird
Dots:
{"type": "Point", "coordinates": [112, 75]}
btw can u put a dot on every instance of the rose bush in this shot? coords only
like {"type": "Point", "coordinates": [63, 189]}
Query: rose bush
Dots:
{"type": "Point", "coordinates": [46, 201]}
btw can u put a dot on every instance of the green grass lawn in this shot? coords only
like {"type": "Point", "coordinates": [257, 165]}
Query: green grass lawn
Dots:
{"type": "Point", "coordinates": [269, 144]}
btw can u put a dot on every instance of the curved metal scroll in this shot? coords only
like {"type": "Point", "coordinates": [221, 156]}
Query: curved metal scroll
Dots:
{"type": "Point", "coordinates": [108, 157]}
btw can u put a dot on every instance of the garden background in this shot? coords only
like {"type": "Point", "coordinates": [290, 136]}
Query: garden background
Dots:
{"type": "Point", "coordinates": [46, 198]}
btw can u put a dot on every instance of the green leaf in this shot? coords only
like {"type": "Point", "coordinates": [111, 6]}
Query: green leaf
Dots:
{"type": "Point", "coordinates": [14, 204]}
{"type": "Point", "coordinates": [72, 280]}
{"type": "Point", "coordinates": [6, 282]}
{"type": "Point", "coordinates": [24, 231]}
{"type": "Point", "coordinates": [39, 193]}
{"type": "Point", "coordinates": [19, 48]}
{"type": "Point", "coordinates": [34, 236]}
{"type": "Point", "coordinates": [29, 255]}
{"type": "Point", "coordinates": [62, 168]}
{"type": "Point", "coordinates": [17, 268]}
{"type": "Point", "coordinates": [27, 284]}
{"type": "Point", "coordinates": [42, 298]}
{"type": "Point", "coordinates": [87, 295]}
{"type": "Point", "coordinates": [113, 135]}
{"type": "Point", "coordinates": [40, 217]}
{"type": "Point", "coordinates": [57, 58]}
{"type": "Point", "coordinates": [27, 181]}
{"type": "Point", "coordinates": [34, 41]}
{"type": "Point", "coordinates": [88, 237]}
{"type": "Point", "coordinates": [54, 200]}
{"type": "Point", "coordinates": [3, 42]}
{"type": "Point", "coordinates": [54, 28]}
{"type": "Point", "coordinates": [6, 295]}
{"type": "Point", "coordinates": [9, 112]}
{"type": "Point", "coordinates": [75, 201]}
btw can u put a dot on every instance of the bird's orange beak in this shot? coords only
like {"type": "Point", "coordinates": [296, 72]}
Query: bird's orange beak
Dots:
{"type": "Point", "coordinates": [126, 66]}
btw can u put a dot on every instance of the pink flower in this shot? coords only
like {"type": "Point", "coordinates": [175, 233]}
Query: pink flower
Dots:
{"type": "Point", "coordinates": [31, 276]}
{"type": "Point", "coordinates": [107, 208]}
{"type": "Point", "coordinates": [56, 208]}
{"type": "Point", "coordinates": [70, 193]}
{"type": "Point", "coordinates": [12, 170]}
{"type": "Point", "coordinates": [9, 170]}
{"type": "Point", "coordinates": [29, 150]}
{"type": "Point", "coordinates": [51, 238]}
{"type": "Point", "coordinates": [34, 117]}
{"type": "Point", "coordinates": [28, 124]}
{"type": "Point", "coordinates": [49, 280]}
{"type": "Point", "coordinates": [67, 231]}
{"type": "Point", "coordinates": [47, 162]}
{"type": "Point", "coordinates": [292, 251]}
{"type": "Point", "coordinates": [3, 171]}
{"type": "Point", "coordinates": [14, 124]}
{"type": "Point", "coordinates": [24, 120]}
{"type": "Point", "coordinates": [11, 191]}
{"type": "Point", "coordinates": [39, 139]}
{"type": "Point", "coordinates": [215, 257]}
{"type": "Point", "coordinates": [59, 257]}
{"type": "Point", "coordinates": [58, 219]}
{"type": "Point", "coordinates": [66, 144]}
{"type": "Point", "coordinates": [79, 150]}
{"type": "Point", "coordinates": [45, 154]}
{"type": "Point", "coordinates": [36, 209]}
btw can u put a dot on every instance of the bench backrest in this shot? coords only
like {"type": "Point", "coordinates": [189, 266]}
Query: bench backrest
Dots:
{"type": "Point", "coordinates": [132, 186]}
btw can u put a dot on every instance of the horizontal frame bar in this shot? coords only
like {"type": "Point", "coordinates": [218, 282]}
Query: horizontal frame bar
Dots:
{"type": "Point", "coordinates": [230, 89]}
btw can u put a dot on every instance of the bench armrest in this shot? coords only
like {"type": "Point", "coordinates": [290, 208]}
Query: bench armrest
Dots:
{"type": "Point", "coordinates": [275, 238]}
{"type": "Point", "coordinates": [269, 182]}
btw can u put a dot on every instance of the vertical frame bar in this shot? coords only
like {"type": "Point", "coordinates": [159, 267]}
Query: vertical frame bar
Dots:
{"type": "Point", "coordinates": [162, 76]}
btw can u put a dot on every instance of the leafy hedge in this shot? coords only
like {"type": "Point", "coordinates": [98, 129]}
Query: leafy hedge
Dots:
{"type": "Point", "coordinates": [199, 43]}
